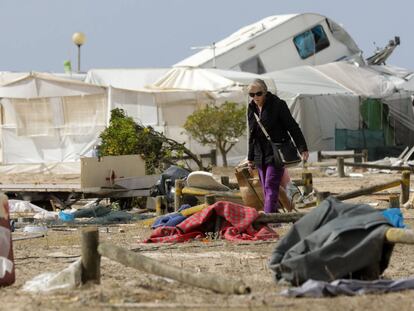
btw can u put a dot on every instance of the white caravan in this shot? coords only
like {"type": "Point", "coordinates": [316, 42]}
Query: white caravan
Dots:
{"type": "Point", "coordinates": [278, 42]}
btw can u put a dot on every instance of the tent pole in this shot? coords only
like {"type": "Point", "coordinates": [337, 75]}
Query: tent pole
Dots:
{"type": "Point", "coordinates": [108, 115]}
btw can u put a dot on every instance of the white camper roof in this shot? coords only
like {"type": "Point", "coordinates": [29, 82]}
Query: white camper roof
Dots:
{"type": "Point", "coordinates": [299, 22]}
{"type": "Point", "coordinates": [239, 37]}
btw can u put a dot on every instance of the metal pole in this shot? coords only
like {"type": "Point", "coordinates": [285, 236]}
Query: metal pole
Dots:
{"type": "Point", "coordinates": [79, 55]}
{"type": "Point", "coordinates": [214, 54]}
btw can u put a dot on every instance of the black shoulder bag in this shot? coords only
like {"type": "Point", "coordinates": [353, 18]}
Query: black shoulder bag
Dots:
{"type": "Point", "coordinates": [286, 154]}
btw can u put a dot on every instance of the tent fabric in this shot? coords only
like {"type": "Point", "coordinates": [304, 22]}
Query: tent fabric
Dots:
{"type": "Point", "coordinates": [335, 240]}
{"type": "Point", "coordinates": [51, 168]}
{"type": "Point", "coordinates": [305, 80]}
{"type": "Point", "coordinates": [319, 116]}
{"type": "Point", "coordinates": [128, 79]}
{"type": "Point", "coordinates": [196, 79]}
{"type": "Point", "coordinates": [47, 119]}
{"type": "Point", "coordinates": [360, 80]}
{"type": "Point", "coordinates": [41, 85]}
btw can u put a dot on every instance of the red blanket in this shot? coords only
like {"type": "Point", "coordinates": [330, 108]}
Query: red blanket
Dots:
{"type": "Point", "coordinates": [236, 226]}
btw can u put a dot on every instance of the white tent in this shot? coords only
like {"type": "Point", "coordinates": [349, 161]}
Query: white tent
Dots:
{"type": "Point", "coordinates": [323, 98]}
{"type": "Point", "coordinates": [128, 79]}
{"type": "Point", "coordinates": [46, 119]}
{"type": "Point", "coordinates": [165, 98]}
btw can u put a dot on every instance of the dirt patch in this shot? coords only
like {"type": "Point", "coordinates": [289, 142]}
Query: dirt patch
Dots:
{"type": "Point", "coordinates": [124, 288]}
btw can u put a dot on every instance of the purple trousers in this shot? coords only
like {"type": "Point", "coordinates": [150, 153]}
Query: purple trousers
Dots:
{"type": "Point", "coordinates": [270, 178]}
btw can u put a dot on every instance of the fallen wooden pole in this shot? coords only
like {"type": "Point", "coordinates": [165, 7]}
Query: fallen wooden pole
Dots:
{"type": "Point", "coordinates": [368, 190]}
{"type": "Point", "coordinates": [204, 280]}
{"type": "Point", "coordinates": [203, 192]}
{"type": "Point", "coordinates": [378, 166]}
{"type": "Point", "coordinates": [404, 236]}
{"type": "Point", "coordinates": [278, 218]}
{"type": "Point", "coordinates": [35, 236]}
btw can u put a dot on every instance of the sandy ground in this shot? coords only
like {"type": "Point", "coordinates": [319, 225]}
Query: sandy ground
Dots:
{"type": "Point", "coordinates": [124, 288]}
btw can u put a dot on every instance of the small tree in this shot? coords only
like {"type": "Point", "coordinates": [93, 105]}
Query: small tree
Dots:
{"type": "Point", "coordinates": [124, 136]}
{"type": "Point", "coordinates": [218, 126]}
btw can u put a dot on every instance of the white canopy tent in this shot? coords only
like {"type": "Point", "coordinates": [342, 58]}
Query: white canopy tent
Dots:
{"type": "Point", "coordinates": [329, 96]}
{"type": "Point", "coordinates": [165, 98]}
{"type": "Point", "coordinates": [46, 119]}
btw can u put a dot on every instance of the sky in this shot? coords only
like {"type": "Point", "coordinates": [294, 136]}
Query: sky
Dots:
{"type": "Point", "coordinates": [36, 35]}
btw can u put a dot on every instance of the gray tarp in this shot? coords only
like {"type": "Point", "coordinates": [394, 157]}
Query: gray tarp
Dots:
{"type": "Point", "coordinates": [335, 240]}
{"type": "Point", "coordinates": [317, 289]}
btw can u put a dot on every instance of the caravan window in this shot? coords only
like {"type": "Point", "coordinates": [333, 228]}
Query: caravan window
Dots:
{"type": "Point", "coordinates": [311, 41]}
{"type": "Point", "coordinates": [253, 65]}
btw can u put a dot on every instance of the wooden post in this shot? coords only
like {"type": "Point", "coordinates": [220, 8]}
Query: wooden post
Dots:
{"type": "Point", "coordinates": [394, 201]}
{"type": "Point", "coordinates": [358, 156]}
{"type": "Point", "coordinates": [340, 166]}
{"type": "Point", "coordinates": [405, 186]}
{"type": "Point", "coordinates": [179, 185]}
{"type": "Point", "coordinates": [319, 156]}
{"type": "Point", "coordinates": [307, 183]}
{"type": "Point", "coordinates": [320, 196]}
{"type": "Point", "coordinates": [225, 180]}
{"type": "Point", "coordinates": [210, 199]}
{"type": "Point", "coordinates": [207, 280]}
{"type": "Point", "coordinates": [160, 208]}
{"type": "Point", "coordinates": [91, 260]}
{"type": "Point", "coordinates": [365, 153]}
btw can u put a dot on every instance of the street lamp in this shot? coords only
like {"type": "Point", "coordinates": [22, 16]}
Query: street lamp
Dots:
{"type": "Point", "coordinates": [79, 39]}
{"type": "Point", "coordinates": [211, 47]}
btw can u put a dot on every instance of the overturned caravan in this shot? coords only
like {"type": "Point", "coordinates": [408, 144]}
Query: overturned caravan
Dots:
{"type": "Point", "coordinates": [279, 42]}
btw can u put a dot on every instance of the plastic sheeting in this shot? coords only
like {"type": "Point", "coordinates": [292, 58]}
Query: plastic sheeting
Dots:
{"type": "Point", "coordinates": [128, 79]}
{"type": "Point", "coordinates": [319, 115]}
{"type": "Point", "coordinates": [40, 85]}
{"type": "Point", "coordinates": [51, 129]}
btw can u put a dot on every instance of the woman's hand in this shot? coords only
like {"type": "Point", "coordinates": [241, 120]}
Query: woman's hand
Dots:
{"type": "Point", "coordinates": [305, 155]}
{"type": "Point", "coordinates": [250, 166]}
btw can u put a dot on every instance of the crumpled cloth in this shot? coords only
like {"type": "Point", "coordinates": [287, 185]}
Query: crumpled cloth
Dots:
{"type": "Point", "coordinates": [171, 220]}
{"type": "Point", "coordinates": [394, 217]}
{"type": "Point", "coordinates": [236, 226]}
{"type": "Point", "coordinates": [317, 289]}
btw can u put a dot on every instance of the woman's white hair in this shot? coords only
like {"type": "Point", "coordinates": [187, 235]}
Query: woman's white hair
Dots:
{"type": "Point", "coordinates": [259, 83]}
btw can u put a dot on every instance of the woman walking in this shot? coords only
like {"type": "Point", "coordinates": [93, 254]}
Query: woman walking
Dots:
{"type": "Point", "coordinates": [276, 118]}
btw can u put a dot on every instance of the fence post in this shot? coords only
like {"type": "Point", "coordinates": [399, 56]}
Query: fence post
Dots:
{"type": "Point", "coordinates": [225, 180]}
{"type": "Point", "coordinates": [307, 183]}
{"type": "Point", "coordinates": [405, 186]}
{"type": "Point", "coordinates": [179, 185]}
{"type": "Point", "coordinates": [90, 258]}
{"type": "Point", "coordinates": [365, 153]}
{"type": "Point", "coordinates": [394, 201]}
{"type": "Point", "coordinates": [320, 158]}
{"type": "Point", "coordinates": [340, 166]}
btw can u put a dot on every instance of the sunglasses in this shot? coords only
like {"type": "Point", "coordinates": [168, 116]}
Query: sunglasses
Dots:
{"type": "Point", "coordinates": [258, 94]}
